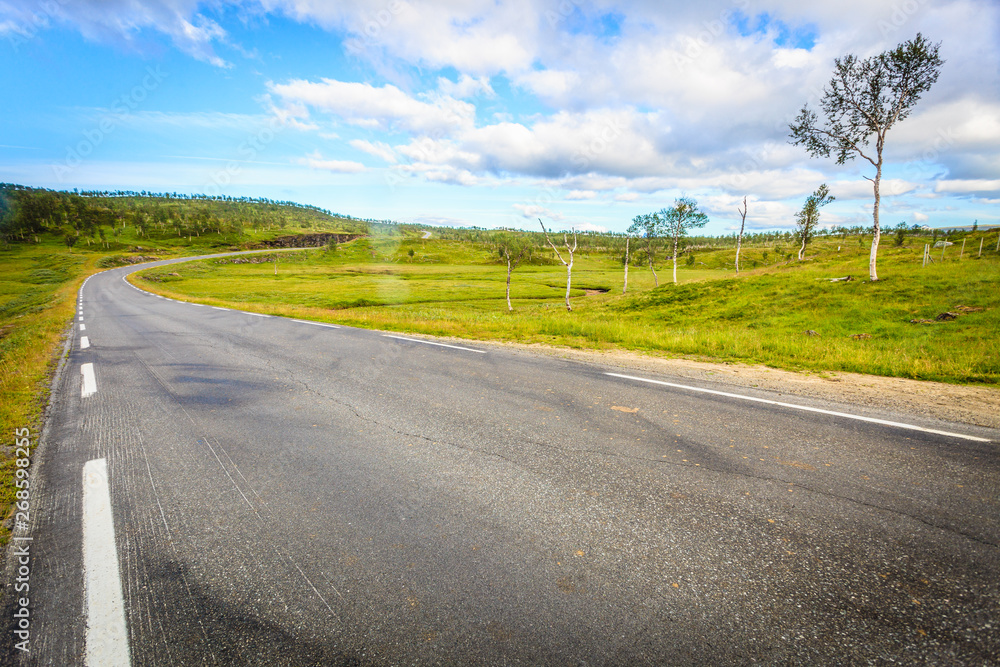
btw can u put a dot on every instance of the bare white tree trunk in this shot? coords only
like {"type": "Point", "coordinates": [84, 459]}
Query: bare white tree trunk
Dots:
{"type": "Point", "coordinates": [675, 258]}
{"type": "Point", "coordinates": [739, 241]}
{"type": "Point", "coordinates": [569, 264]}
{"type": "Point", "coordinates": [649, 253]}
{"type": "Point", "coordinates": [510, 308]}
{"type": "Point", "coordinates": [569, 277]}
{"type": "Point", "coordinates": [877, 231]}
{"type": "Point", "coordinates": [625, 286]}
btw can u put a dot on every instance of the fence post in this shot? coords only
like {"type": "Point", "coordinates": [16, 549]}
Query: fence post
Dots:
{"type": "Point", "coordinates": [980, 248]}
{"type": "Point", "coordinates": [963, 250]}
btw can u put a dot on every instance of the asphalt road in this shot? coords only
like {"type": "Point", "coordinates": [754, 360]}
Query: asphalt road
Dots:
{"type": "Point", "coordinates": [285, 493]}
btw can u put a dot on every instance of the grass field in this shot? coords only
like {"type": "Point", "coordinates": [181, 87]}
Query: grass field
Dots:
{"type": "Point", "coordinates": [452, 288]}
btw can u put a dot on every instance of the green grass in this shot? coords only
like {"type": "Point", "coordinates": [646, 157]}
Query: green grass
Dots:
{"type": "Point", "coordinates": [37, 287]}
{"type": "Point", "coordinates": [452, 288]}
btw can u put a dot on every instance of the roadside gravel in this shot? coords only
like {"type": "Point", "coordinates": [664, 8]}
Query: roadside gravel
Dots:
{"type": "Point", "coordinates": [976, 405]}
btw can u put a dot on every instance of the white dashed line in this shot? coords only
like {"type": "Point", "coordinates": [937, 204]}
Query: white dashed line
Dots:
{"type": "Point", "coordinates": [318, 324]}
{"type": "Point", "coordinates": [107, 633]}
{"type": "Point", "coordinates": [89, 380]}
{"type": "Point", "coordinates": [793, 406]}
{"type": "Point", "coordinates": [427, 342]}
{"type": "Point", "coordinates": [254, 314]}
{"type": "Point", "coordinates": [217, 308]}
{"type": "Point", "coordinates": [84, 342]}
{"type": "Point", "coordinates": [83, 327]}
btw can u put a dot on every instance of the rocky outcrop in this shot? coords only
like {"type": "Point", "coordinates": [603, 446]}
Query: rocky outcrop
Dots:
{"type": "Point", "coordinates": [304, 241]}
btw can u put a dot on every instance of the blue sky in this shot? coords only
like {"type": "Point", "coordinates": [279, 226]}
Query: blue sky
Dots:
{"type": "Point", "coordinates": [584, 113]}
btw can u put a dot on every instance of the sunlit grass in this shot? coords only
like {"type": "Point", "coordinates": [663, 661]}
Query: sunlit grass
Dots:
{"type": "Point", "coordinates": [759, 317]}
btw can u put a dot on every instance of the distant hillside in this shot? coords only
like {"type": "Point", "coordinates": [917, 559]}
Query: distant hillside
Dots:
{"type": "Point", "coordinates": [114, 218]}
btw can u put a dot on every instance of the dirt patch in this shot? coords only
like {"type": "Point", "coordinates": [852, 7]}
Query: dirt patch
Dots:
{"type": "Point", "coordinates": [950, 402]}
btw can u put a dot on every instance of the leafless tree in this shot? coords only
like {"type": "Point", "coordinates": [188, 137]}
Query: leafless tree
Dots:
{"type": "Point", "coordinates": [569, 264]}
{"type": "Point", "coordinates": [739, 241]}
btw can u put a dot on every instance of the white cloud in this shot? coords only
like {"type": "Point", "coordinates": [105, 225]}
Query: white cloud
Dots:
{"type": "Point", "coordinates": [122, 22]}
{"type": "Point", "coordinates": [581, 194]}
{"type": "Point", "coordinates": [384, 108]}
{"type": "Point", "coordinates": [533, 211]}
{"type": "Point", "coordinates": [590, 227]}
{"type": "Point", "coordinates": [378, 149]}
{"type": "Point", "coordinates": [979, 185]}
{"type": "Point", "coordinates": [316, 161]}
{"type": "Point", "coordinates": [466, 87]}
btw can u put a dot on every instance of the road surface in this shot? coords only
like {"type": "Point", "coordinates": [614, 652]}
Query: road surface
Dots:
{"type": "Point", "coordinates": [265, 491]}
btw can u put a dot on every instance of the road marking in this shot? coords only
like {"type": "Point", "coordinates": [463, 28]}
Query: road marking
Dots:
{"type": "Point", "coordinates": [254, 314]}
{"type": "Point", "coordinates": [806, 408]}
{"type": "Point", "coordinates": [89, 381]}
{"type": "Point", "coordinates": [318, 324]}
{"type": "Point", "coordinates": [84, 342]}
{"type": "Point", "coordinates": [217, 308]}
{"type": "Point", "coordinates": [81, 318]}
{"type": "Point", "coordinates": [428, 342]}
{"type": "Point", "coordinates": [200, 305]}
{"type": "Point", "coordinates": [83, 327]}
{"type": "Point", "coordinates": [107, 633]}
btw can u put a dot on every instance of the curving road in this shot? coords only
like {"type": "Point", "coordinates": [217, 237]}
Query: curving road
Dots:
{"type": "Point", "coordinates": [287, 493]}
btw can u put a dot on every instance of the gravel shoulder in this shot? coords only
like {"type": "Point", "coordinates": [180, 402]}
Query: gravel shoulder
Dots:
{"type": "Point", "coordinates": [956, 403]}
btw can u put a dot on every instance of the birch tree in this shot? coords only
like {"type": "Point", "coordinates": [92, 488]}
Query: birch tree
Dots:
{"type": "Point", "coordinates": [862, 102]}
{"type": "Point", "coordinates": [807, 219]}
{"type": "Point", "coordinates": [678, 220]}
{"type": "Point", "coordinates": [649, 227]}
{"type": "Point", "coordinates": [569, 264]}
{"type": "Point", "coordinates": [512, 249]}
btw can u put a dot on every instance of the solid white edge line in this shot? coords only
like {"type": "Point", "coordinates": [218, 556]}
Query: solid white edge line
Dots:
{"type": "Point", "coordinates": [107, 633]}
{"type": "Point", "coordinates": [873, 420]}
{"type": "Point", "coordinates": [318, 324]}
{"type": "Point", "coordinates": [84, 342]}
{"type": "Point", "coordinates": [428, 342]}
{"type": "Point", "coordinates": [89, 381]}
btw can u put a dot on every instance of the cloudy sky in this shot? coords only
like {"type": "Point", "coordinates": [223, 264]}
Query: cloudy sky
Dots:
{"type": "Point", "coordinates": [584, 113]}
